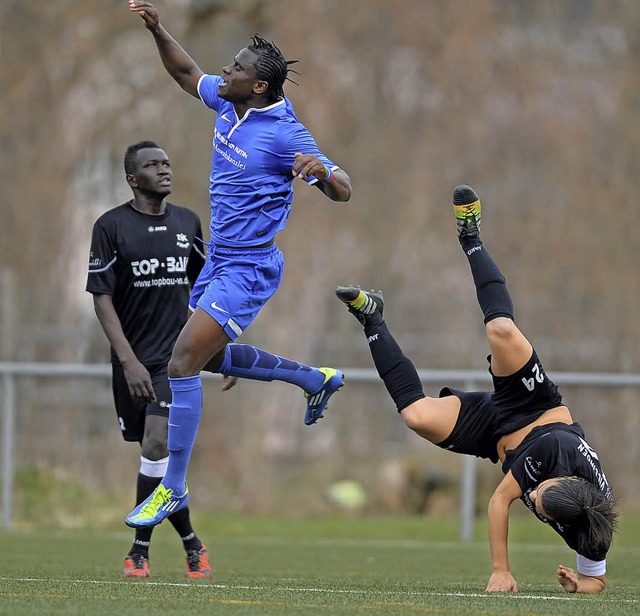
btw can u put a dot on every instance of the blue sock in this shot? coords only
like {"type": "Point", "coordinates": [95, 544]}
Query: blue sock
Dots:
{"type": "Point", "coordinates": [248, 362]}
{"type": "Point", "coordinates": [184, 419]}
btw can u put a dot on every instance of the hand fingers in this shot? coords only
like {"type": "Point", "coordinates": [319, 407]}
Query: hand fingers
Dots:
{"type": "Point", "coordinates": [304, 167]}
{"type": "Point", "coordinates": [297, 164]}
{"type": "Point", "coordinates": [228, 382]}
{"type": "Point", "coordinates": [142, 392]}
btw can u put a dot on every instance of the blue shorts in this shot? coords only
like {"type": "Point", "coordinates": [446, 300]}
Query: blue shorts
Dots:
{"type": "Point", "coordinates": [235, 284]}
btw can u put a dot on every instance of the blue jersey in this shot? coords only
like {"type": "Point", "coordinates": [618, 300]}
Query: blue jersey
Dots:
{"type": "Point", "coordinates": [251, 182]}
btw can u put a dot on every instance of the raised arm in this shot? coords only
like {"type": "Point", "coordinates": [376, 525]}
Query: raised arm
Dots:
{"type": "Point", "coordinates": [507, 491]}
{"type": "Point", "coordinates": [179, 64]}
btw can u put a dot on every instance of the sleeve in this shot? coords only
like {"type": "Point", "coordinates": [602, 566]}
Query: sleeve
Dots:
{"type": "Point", "coordinates": [103, 255]}
{"type": "Point", "coordinates": [208, 90]}
{"type": "Point", "coordinates": [301, 140]}
{"type": "Point", "coordinates": [197, 255]}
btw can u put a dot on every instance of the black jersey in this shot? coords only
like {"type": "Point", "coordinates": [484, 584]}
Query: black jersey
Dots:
{"type": "Point", "coordinates": [148, 264]}
{"type": "Point", "coordinates": [556, 450]}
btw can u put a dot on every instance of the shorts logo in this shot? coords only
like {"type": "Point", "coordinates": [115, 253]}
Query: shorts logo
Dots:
{"type": "Point", "coordinates": [373, 338]}
{"type": "Point", "coordinates": [215, 306]}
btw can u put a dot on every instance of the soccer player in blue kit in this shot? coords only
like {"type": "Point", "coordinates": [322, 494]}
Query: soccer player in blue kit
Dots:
{"type": "Point", "coordinates": [523, 422]}
{"type": "Point", "coordinates": [145, 257]}
{"type": "Point", "coordinates": [259, 148]}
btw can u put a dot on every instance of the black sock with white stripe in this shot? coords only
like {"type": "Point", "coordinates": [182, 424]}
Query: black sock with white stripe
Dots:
{"type": "Point", "coordinates": [144, 487]}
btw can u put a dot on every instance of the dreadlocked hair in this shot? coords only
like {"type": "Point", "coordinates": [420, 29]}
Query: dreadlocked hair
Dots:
{"type": "Point", "coordinates": [271, 67]}
{"type": "Point", "coordinates": [130, 162]}
{"type": "Point", "coordinates": [578, 503]}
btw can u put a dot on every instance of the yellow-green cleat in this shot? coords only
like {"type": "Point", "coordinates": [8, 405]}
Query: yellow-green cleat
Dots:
{"type": "Point", "coordinates": [317, 401]}
{"type": "Point", "coordinates": [466, 205]}
{"type": "Point", "coordinates": [158, 506]}
{"type": "Point", "coordinates": [361, 304]}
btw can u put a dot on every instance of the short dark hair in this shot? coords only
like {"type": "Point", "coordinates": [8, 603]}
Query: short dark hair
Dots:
{"type": "Point", "coordinates": [271, 66]}
{"type": "Point", "coordinates": [578, 503]}
{"type": "Point", "coordinates": [132, 150]}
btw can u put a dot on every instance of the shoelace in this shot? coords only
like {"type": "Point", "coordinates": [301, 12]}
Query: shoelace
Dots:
{"type": "Point", "coordinates": [159, 499]}
{"type": "Point", "coordinates": [138, 560]}
{"type": "Point", "coordinates": [193, 559]}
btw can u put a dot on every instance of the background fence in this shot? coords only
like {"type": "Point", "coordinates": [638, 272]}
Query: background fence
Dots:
{"type": "Point", "coordinates": [92, 435]}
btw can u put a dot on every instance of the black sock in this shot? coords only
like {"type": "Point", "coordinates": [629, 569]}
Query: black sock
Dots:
{"type": "Point", "coordinates": [394, 367]}
{"type": "Point", "coordinates": [491, 285]}
{"type": "Point", "coordinates": [181, 521]}
{"type": "Point", "coordinates": [145, 486]}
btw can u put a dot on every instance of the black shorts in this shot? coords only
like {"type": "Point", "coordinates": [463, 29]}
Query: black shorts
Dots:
{"type": "Point", "coordinates": [486, 416]}
{"type": "Point", "coordinates": [131, 415]}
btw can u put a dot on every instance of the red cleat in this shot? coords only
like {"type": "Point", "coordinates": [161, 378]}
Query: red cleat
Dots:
{"type": "Point", "coordinates": [198, 564]}
{"type": "Point", "coordinates": [136, 565]}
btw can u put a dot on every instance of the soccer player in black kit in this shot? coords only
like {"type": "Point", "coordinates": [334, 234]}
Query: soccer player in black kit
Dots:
{"type": "Point", "coordinates": [145, 257]}
{"type": "Point", "coordinates": [523, 422]}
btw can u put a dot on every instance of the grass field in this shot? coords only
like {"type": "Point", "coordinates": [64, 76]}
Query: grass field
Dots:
{"type": "Point", "coordinates": [307, 566]}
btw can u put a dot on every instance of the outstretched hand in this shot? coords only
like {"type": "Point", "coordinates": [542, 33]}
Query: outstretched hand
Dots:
{"type": "Point", "coordinates": [147, 11]}
{"type": "Point", "coordinates": [228, 382]}
{"type": "Point", "coordinates": [568, 578]}
{"type": "Point", "coordinates": [502, 581]}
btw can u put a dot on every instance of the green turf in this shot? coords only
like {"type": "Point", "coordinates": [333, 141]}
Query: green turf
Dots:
{"type": "Point", "coordinates": [307, 566]}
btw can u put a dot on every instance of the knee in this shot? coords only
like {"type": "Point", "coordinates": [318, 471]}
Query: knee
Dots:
{"type": "Point", "coordinates": [184, 362]}
{"type": "Point", "coordinates": [154, 442]}
{"type": "Point", "coordinates": [180, 366]}
{"type": "Point", "coordinates": [432, 418]}
{"type": "Point", "coordinates": [413, 417]}
{"type": "Point", "coordinates": [501, 328]}
{"type": "Point", "coordinates": [154, 447]}
{"type": "Point", "coordinates": [175, 368]}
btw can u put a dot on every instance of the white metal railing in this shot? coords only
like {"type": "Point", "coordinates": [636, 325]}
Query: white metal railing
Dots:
{"type": "Point", "coordinates": [468, 379]}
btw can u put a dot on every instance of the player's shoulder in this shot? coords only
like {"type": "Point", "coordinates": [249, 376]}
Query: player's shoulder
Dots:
{"type": "Point", "coordinates": [183, 212]}
{"type": "Point", "coordinates": [115, 214]}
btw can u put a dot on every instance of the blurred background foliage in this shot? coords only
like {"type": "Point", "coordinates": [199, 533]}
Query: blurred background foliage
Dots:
{"type": "Point", "coordinates": [535, 104]}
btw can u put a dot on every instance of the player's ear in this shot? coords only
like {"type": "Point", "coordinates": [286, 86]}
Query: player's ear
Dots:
{"type": "Point", "coordinates": [260, 87]}
{"type": "Point", "coordinates": [132, 180]}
